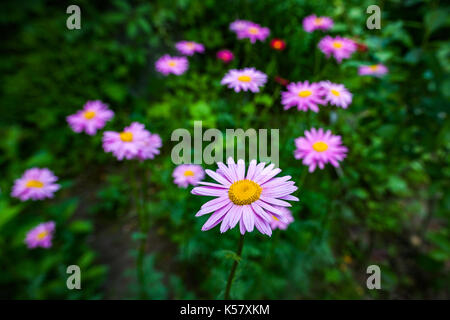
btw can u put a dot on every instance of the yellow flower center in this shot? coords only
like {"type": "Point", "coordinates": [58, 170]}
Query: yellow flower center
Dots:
{"type": "Point", "coordinates": [188, 173]}
{"type": "Point", "coordinates": [89, 114]}
{"type": "Point", "coordinates": [41, 235]}
{"type": "Point", "coordinates": [190, 45]}
{"type": "Point", "coordinates": [337, 44]}
{"type": "Point", "coordinates": [320, 146]}
{"type": "Point", "coordinates": [34, 184]}
{"type": "Point", "coordinates": [304, 93]}
{"type": "Point", "coordinates": [172, 63]}
{"type": "Point", "coordinates": [126, 136]}
{"type": "Point", "coordinates": [275, 218]}
{"type": "Point", "coordinates": [373, 67]}
{"type": "Point", "coordinates": [253, 30]}
{"type": "Point", "coordinates": [244, 192]}
{"type": "Point", "coordinates": [244, 78]}
{"type": "Point", "coordinates": [335, 92]}
{"type": "Point", "coordinates": [318, 21]}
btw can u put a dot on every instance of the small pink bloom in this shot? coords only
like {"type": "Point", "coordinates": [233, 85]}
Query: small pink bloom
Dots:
{"type": "Point", "coordinates": [244, 79]}
{"type": "Point", "coordinates": [188, 174]}
{"type": "Point", "coordinates": [336, 94]}
{"type": "Point", "coordinates": [254, 32]}
{"type": "Point", "coordinates": [225, 55]}
{"type": "Point", "coordinates": [250, 197]}
{"type": "Point", "coordinates": [40, 236]}
{"type": "Point", "coordinates": [303, 95]}
{"type": "Point", "coordinates": [312, 22]}
{"type": "Point", "coordinates": [134, 142]}
{"type": "Point", "coordinates": [318, 148]}
{"type": "Point", "coordinates": [176, 65]}
{"type": "Point", "coordinates": [282, 224]}
{"type": "Point", "coordinates": [377, 70]}
{"type": "Point", "coordinates": [340, 48]}
{"type": "Point", "coordinates": [35, 184]}
{"type": "Point", "coordinates": [189, 47]}
{"type": "Point", "coordinates": [91, 118]}
{"type": "Point", "coordinates": [239, 25]}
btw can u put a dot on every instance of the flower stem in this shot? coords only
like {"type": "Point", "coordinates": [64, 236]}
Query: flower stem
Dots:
{"type": "Point", "coordinates": [233, 269]}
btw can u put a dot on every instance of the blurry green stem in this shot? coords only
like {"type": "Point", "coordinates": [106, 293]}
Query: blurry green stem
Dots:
{"type": "Point", "coordinates": [233, 269]}
{"type": "Point", "coordinates": [303, 177]}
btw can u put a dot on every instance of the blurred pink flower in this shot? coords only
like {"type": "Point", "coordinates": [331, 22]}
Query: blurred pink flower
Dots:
{"type": "Point", "coordinates": [189, 47]}
{"type": "Point", "coordinates": [225, 55]}
{"type": "Point", "coordinates": [91, 118]}
{"type": "Point", "coordinates": [340, 48]}
{"type": "Point", "coordinates": [303, 95]}
{"type": "Point", "coordinates": [336, 94]}
{"type": "Point", "coordinates": [239, 25]}
{"type": "Point", "coordinates": [176, 65]}
{"type": "Point", "coordinates": [244, 79]}
{"type": "Point", "coordinates": [279, 224]}
{"type": "Point", "coordinates": [250, 199]}
{"type": "Point", "coordinates": [186, 174]}
{"type": "Point", "coordinates": [318, 148]}
{"type": "Point", "coordinates": [40, 236]}
{"type": "Point", "coordinates": [134, 142]}
{"type": "Point", "coordinates": [373, 70]}
{"type": "Point", "coordinates": [35, 184]}
{"type": "Point", "coordinates": [312, 22]}
{"type": "Point", "coordinates": [254, 32]}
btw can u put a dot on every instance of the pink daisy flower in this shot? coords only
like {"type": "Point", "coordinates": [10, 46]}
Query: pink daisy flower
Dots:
{"type": "Point", "coordinates": [225, 55]}
{"type": "Point", "coordinates": [340, 48]}
{"type": "Point", "coordinates": [254, 32]}
{"type": "Point", "coordinates": [318, 148]}
{"type": "Point", "coordinates": [373, 70]}
{"type": "Point", "coordinates": [134, 142]}
{"type": "Point", "coordinates": [336, 94]}
{"type": "Point", "coordinates": [35, 184]}
{"type": "Point", "coordinates": [282, 225]}
{"type": "Point", "coordinates": [91, 118]}
{"type": "Point", "coordinates": [312, 22]}
{"type": "Point", "coordinates": [239, 25]}
{"type": "Point", "coordinates": [40, 236]}
{"type": "Point", "coordinates": [304, 95]}
{"type": "Point", "coordinates": [186, 174]}
{"type": "Point", "coordinates": [244, 79]}
{"type": "Point", "coordinates": [176, 65]}
{"type": "Point", "coordinates": [250, 199]}
{"type": "Point", "coordinates": [189, 47]}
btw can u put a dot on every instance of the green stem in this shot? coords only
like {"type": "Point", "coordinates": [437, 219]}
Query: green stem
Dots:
{"type": "Point", "coordinates": [233, 269]}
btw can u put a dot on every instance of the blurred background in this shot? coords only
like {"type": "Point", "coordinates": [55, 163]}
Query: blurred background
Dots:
{"type": "Point", "coordinates": [389, 205]}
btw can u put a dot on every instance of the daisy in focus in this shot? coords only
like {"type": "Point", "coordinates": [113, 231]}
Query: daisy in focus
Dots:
{"type": "Point", "coordinates": [35, 184]}
{"type": "Point", "coordinates": [254, 32]}
{"type": "Point", "coordinates": [167, 64]}
{"type": "Point", "coordinates": [189, 47]}
{"type": "Point", "coordinates": [40, 236]}
{"type": "Point", "coordinates": [318, 148]}
{"type": "Point", "coordinates": [340, 48]}
{"type": "Point", "coordinates": [134, 142]}
{"type": "Point", "coordinates": [188, 174]}
{"type": "Point", "coordinates": [244, 79]}
{"type": "Point", "coordinates": [336, 94]}
{"type": "Point", "coordinates": [303, 95]}
{"type": "Point", "coordinates": [282, 225]}
{"type": "Point", "coordinates": [277, 44]}
{"type": "Point", "coordinates": [373, 70]}
{"type": "Point", "coordinates": [225, 55]}
{"type": "Point", "coordinates": [312, 22]}
{"type": "Point", "coordinates": [91, 118]}
{"type": "Point", "coordinates": [249, 197]}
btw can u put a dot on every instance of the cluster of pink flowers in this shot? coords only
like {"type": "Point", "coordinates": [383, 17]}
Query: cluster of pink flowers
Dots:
{"type": "Point", "coordinates": [318, 148]}
{"type": "Point", "coordinates": [313, 22]}
{"type": "Point", "coordinates": [308, 96]}
{"type": "Point", "coordinates": [91, 118]}
{"type": "Point", "coordinates": [245, 29]}
{"type": "Point", "coordinates": [338, 47]}
{"type": "Point", "coordinates": [247, 79]}
{"type": "Point", "coordinates": [134, 142]}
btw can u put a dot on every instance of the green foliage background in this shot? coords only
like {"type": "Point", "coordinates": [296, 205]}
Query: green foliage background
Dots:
{"type": "Point", "coordinates": [389, 205]}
